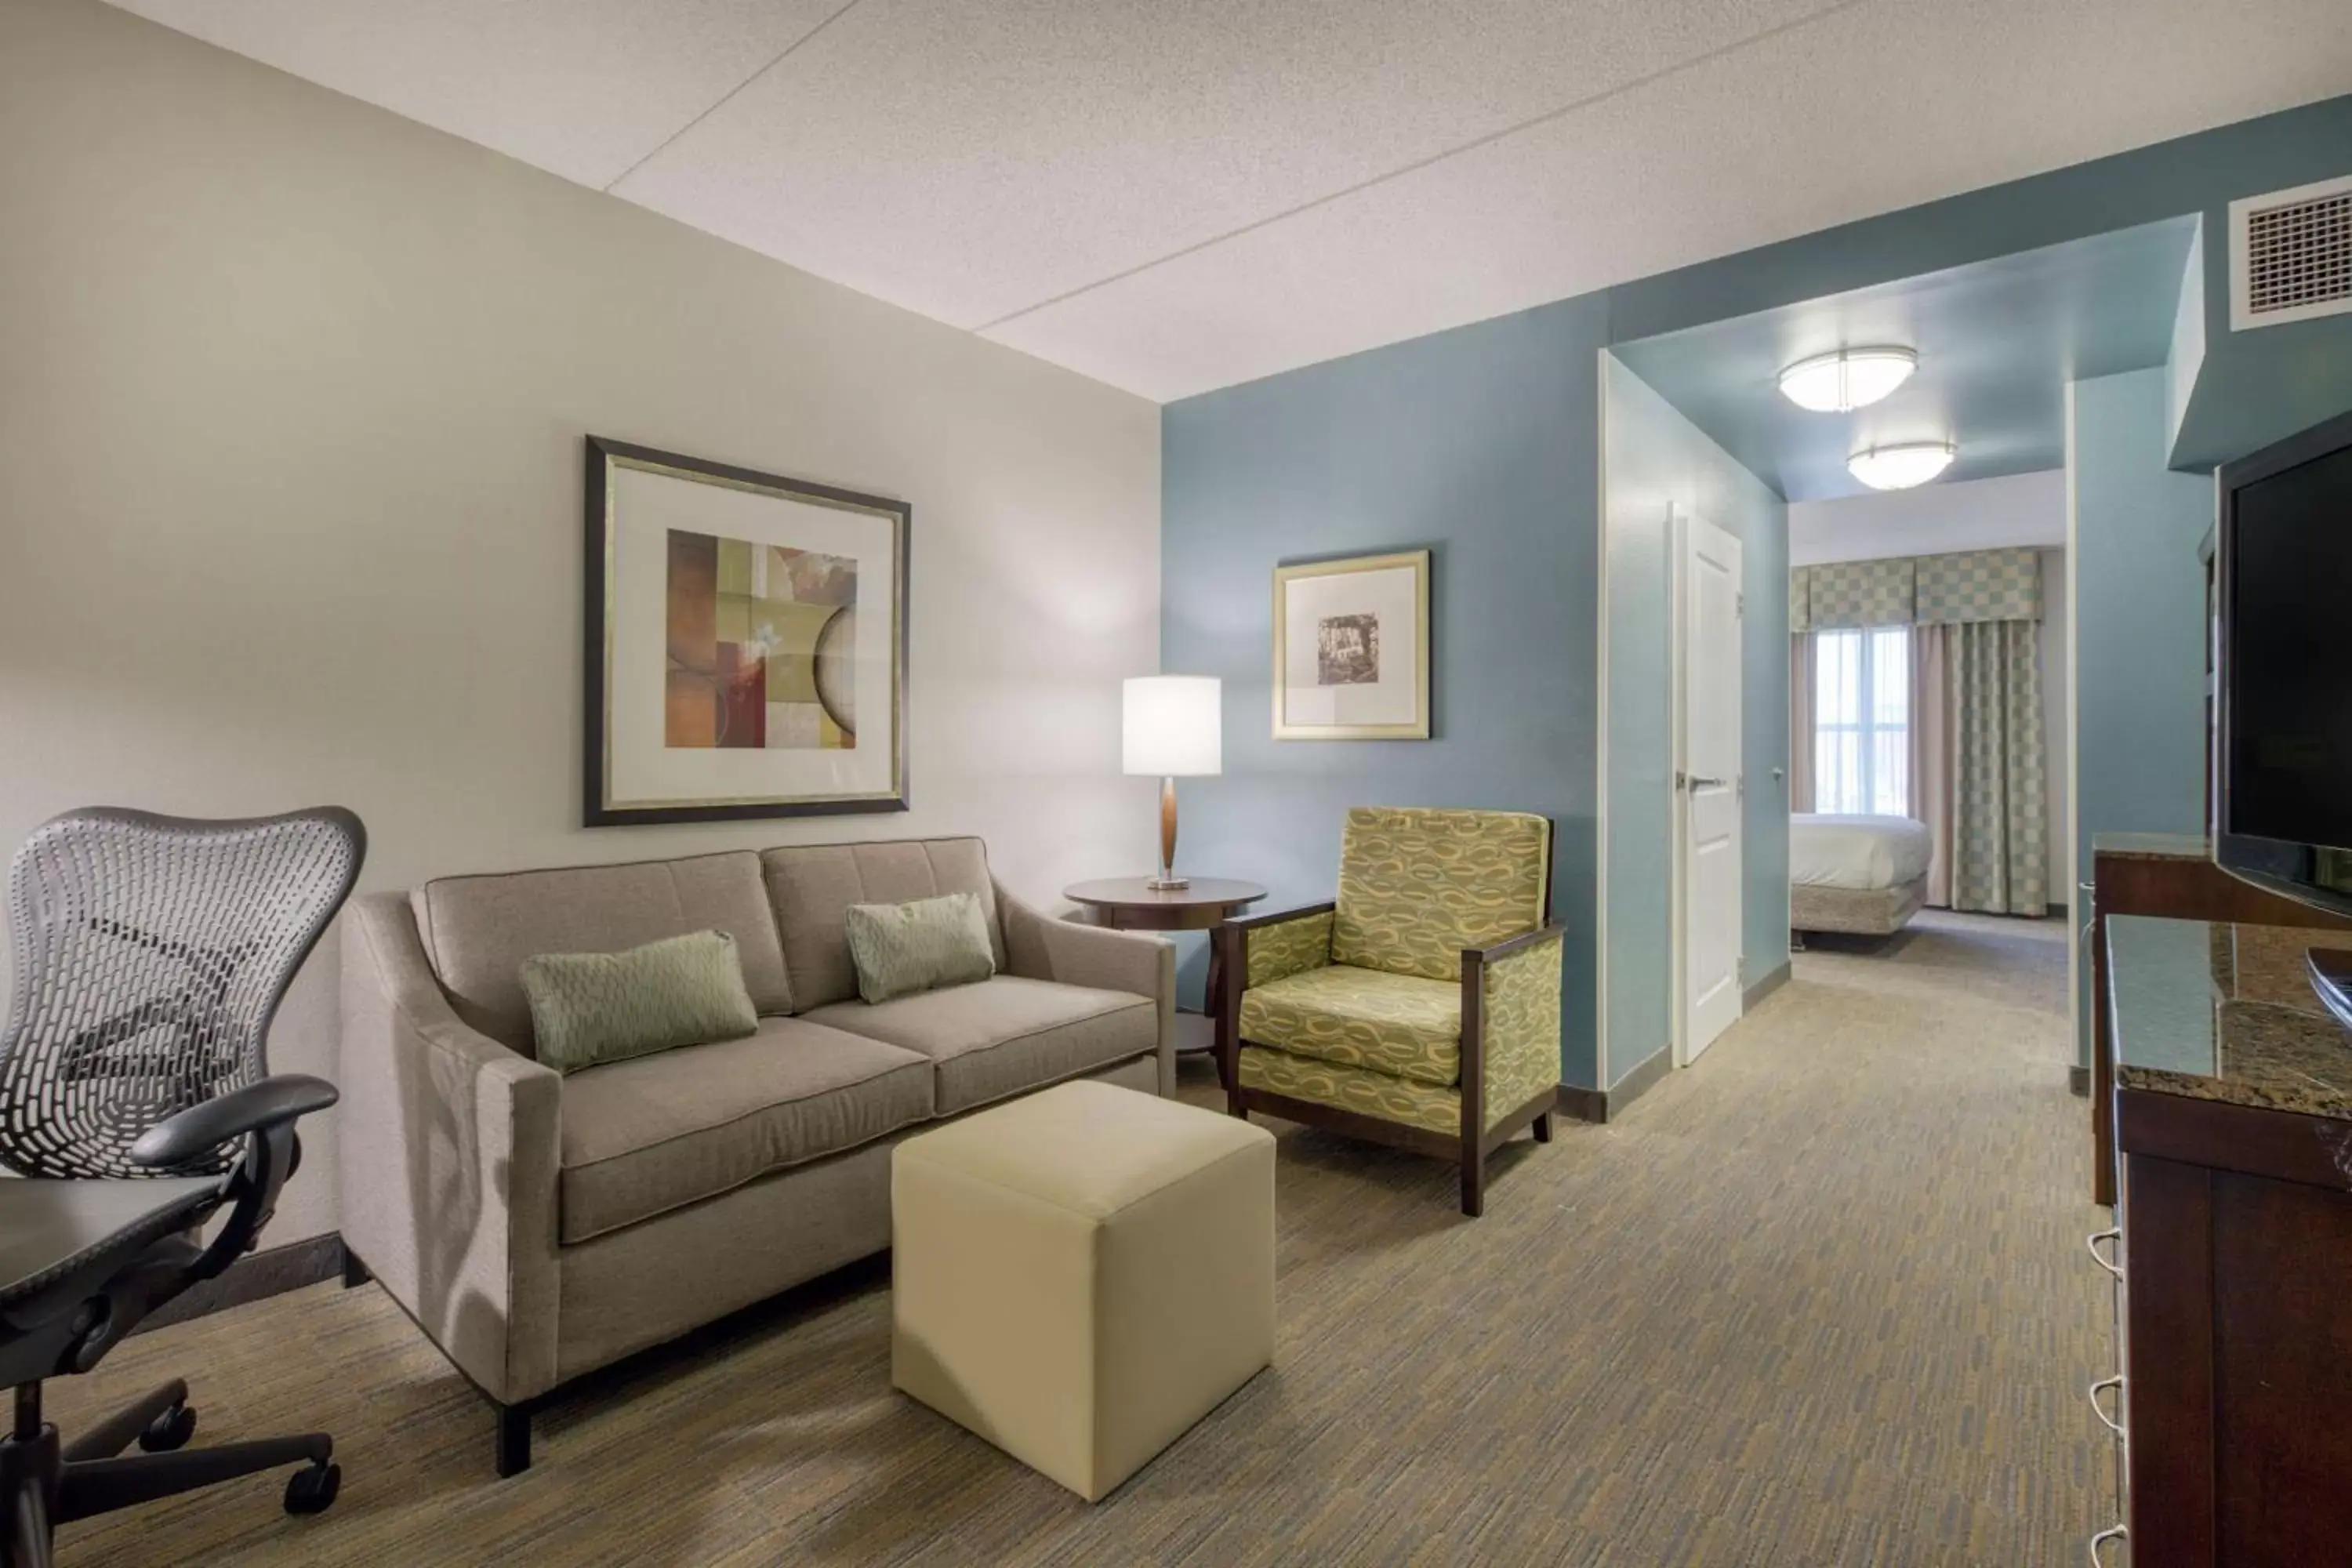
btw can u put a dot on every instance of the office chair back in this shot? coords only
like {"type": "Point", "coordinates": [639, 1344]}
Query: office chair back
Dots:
{"type": "Point", "coordinates": [151, 953]}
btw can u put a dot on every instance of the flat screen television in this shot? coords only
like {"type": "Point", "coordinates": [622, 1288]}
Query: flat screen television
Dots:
{"type": "Point", "coordinates": [2283, 774]}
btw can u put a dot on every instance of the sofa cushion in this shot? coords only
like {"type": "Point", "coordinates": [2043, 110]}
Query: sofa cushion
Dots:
{"type": "Point", "coordinates": [656, 1133]}
{"type": "Point", "coordinates": [924, 945]}
{"type": "Point", "coordinates": [592, 1007]}
{"type": "Point", "coordinates": [1396, 1023]}
{"type": "Point", "coordinates": [477, 931]}
{"type": "Point", "coordinates": [1383, 1096]}
{"type": "Point", "coordinates": [1416, 887]}
{"type": "Point", "coordinates": [1006, 1035]}
{"type": "Point", "coordinates": [811, 887]}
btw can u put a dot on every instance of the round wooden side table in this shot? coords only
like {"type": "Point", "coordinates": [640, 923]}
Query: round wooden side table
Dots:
{"type": "Point", "coordinates": [1132, 903]}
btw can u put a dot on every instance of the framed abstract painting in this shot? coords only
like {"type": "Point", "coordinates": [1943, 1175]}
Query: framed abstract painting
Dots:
{"type": "Point", "coordinates": [746, 651]}
{"type": "Point", "coordinates": [1352, 649]}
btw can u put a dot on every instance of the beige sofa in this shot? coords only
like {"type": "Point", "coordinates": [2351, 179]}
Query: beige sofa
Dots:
{"type": "Point", "coordinates": [538, 1226]}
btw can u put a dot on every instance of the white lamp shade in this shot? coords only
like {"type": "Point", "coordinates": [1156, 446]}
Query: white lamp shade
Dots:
{"type": "Point", "coordinates": [1172, 726]}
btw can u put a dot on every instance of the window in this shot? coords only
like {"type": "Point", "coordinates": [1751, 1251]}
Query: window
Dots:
{"type": "Point", "coordinates": [1861, 729]}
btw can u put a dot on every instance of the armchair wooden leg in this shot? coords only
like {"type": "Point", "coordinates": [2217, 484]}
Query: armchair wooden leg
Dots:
{"type": "Point", "coordinates": [1543, 1127]}
{"type": "Point", "coordinates": [1474, 1182]}
{"type": "Point", "coordinates": [355, 1273]}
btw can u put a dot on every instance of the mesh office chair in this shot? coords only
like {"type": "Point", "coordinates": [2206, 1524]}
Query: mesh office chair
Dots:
{"type": "Point", "coordinates": [135, 1103]}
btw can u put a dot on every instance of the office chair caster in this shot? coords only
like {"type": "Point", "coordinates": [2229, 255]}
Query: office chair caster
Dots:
{"type": "Point", "coordinates": [312, 1489]}
{"type": "Point", "coordinates": [170, 1430]}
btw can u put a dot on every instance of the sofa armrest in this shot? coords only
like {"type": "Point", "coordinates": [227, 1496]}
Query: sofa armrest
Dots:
{"type": "Point", "coordinates": [1510, 1011]}
{"type": "Point", "coordinates": [449, 1147]}
{"type": "Point", "coordinates": [1039, 947]}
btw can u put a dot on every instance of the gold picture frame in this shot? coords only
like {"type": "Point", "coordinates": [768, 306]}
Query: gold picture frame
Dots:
{"type": "Point", "coordinates": [1338, 674]}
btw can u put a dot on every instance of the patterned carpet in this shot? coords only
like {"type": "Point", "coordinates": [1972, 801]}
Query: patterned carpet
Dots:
{"type": "Point", "coordinates": [1821, 1299]}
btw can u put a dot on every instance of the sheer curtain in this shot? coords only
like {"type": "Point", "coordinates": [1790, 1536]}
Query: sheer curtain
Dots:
{"type": "Point", "coordinates": [1860, 716]}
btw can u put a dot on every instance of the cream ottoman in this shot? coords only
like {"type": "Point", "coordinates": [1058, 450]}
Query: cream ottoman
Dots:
{"type": "Point", "coordinates": [1079, 1276]}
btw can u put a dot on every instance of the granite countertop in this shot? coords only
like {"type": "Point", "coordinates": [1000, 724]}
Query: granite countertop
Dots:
{"type": "Point", "coordinates": [2220, 1012]}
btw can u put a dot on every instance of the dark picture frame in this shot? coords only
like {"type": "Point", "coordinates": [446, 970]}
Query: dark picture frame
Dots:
{"type": "Point", "coordinates": [601, 806]}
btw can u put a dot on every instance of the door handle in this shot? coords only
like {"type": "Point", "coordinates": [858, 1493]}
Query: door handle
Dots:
{"type": "Point", "coordinates": [1697, 783]}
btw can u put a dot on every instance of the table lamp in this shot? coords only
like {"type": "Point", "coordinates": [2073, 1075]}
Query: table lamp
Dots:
{"type": "Point", "coordinates": [1171, 726]}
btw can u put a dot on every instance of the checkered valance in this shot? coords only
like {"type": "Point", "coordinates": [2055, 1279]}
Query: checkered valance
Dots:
{"type": "Point", "coordinates": [1858, 593]}
{"type": "Point", "coordinates": [1923, 590]}
{"type": "Point", "coordinates": [1980, 585]}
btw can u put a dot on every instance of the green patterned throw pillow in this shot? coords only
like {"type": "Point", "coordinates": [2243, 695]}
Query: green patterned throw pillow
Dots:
{"type": "Point", "coordinates": [900, 949]}
{"type": "Point", "coordinates": [592, 1007]}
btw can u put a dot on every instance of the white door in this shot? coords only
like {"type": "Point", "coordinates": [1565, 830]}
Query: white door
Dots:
{"type": "Point", "coordinates": [1708, 777]}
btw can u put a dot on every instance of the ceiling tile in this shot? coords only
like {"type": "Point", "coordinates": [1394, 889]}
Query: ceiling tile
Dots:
{"type": "Point", "coordinates": [970, 160]}
{"type": "Point", "coordinates": [581, 88]}
{"type": "Point", "coordinates": [1866, 110]}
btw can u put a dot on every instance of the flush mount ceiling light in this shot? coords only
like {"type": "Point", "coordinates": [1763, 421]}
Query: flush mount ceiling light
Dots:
{"type": "Point", "coordinates": [1846, 379]}
{"type": "Point", "coordinates": [1900, 468]}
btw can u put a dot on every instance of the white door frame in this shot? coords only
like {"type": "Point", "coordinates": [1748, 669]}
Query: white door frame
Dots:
{"type": "Point", "coordinates": [1678, 808]}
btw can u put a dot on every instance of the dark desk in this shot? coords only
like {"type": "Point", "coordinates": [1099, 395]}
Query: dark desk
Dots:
{"type": "Point", "coordinates": [2234, 1131]}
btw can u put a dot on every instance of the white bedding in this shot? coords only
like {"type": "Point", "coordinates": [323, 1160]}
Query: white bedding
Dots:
{"type": "Point", "coordinates": [1860, 852]}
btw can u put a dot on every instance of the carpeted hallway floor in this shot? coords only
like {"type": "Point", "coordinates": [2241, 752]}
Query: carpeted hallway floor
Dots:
{"type": "Point", "coordinates": [1821, 1299]}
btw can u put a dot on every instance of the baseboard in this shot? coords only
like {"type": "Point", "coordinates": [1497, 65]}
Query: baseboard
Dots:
{"type": "Point", "coordinates": [1599, 1105]}
{"type": "Point", "coordinates": [1580, 1104]}
{"type": "Point", "coordinates": [270, 1272]}
{"type": "Point", "coordinates": [2078, 1079]}
{"type": "Point", "coordinates": [1772, 982]}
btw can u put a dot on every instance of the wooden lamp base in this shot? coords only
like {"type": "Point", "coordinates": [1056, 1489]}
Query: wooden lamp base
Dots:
{"type": "Point", "coordinates": [1168, 881]}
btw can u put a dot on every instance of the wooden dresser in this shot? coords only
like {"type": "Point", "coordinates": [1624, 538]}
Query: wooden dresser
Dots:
{"type": "Point", "coordinates": [2232, 1257]}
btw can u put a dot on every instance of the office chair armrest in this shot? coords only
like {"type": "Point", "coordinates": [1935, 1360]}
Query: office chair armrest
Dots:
{"type": "Point", "coordinates": [202, 1128]}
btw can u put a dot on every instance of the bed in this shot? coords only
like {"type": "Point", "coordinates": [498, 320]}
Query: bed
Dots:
{"type": "Point", "coordinates": [1866, 875]}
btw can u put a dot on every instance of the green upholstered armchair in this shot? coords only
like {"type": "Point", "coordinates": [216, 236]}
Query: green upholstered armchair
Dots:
{"type": "Point", "coordinates": [1421, 1008]}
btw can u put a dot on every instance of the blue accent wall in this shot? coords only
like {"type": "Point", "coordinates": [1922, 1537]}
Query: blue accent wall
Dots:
{"type": "Point", "coordinates": [1476, 443]}
{"type": "Point", "coordinates": [2140, 623]}
{"type": "Point", "coordinates": [1654, 462]}
{"type": "Point", "coordinates": [1484, 443]}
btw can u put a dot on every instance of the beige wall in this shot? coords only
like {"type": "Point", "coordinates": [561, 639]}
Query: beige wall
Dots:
{"type": "Point", "coordinates": [291, 400]}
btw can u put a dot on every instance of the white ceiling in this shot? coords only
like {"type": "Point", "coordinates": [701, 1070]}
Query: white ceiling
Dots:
{"type": "Point", "coordinates": [1177, 197]}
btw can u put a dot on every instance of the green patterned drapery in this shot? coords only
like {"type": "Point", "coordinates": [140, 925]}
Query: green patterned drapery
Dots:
{"type": "Point", "coordinates": [2001, 859]}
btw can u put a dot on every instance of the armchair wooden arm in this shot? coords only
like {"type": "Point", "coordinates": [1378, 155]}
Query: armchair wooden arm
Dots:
{"type": "Point", "coordinates": [1232, 945]}
{"type": "Point", "coordinates": [1524, 1086]}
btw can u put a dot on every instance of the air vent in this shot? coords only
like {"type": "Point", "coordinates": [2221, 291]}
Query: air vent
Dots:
{"type": "Point", "coordinates": [2291, 255]}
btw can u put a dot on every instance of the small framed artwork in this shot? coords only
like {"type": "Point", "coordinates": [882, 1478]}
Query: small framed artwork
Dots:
{"type": "Point", "coordinates": [1352, 649]}
{"type": "Point", "coordinates": [746, 651]}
